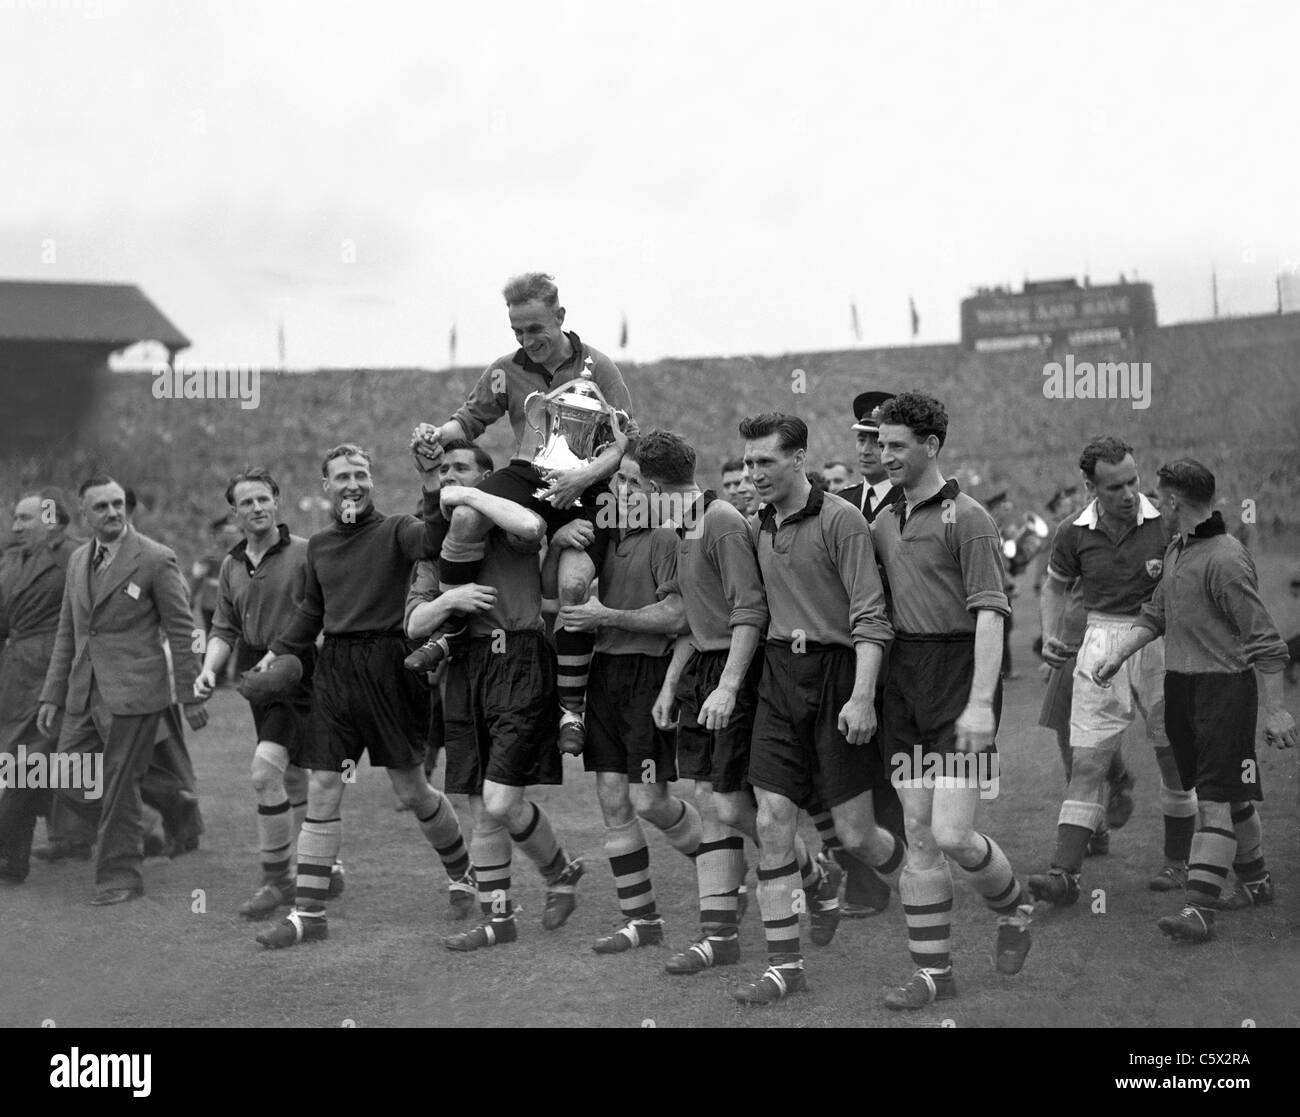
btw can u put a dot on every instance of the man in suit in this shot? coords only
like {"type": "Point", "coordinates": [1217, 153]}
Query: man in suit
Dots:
{"type": "Point", "coordinates": [108, 675]}
{"type": "Point", "coordinates": [31, 591]}
{"type": "Point", "coordinates": [876, 490]}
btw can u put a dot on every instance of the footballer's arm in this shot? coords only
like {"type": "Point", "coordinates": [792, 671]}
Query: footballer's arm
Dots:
{"type": "Point", "coordinates": [514, 519]}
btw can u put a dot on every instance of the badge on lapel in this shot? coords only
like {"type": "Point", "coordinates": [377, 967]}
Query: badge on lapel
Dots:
{"type": "Point", "coordinates": [1154, 567]}
{"type": "Point", "coordinates": [133, 591]}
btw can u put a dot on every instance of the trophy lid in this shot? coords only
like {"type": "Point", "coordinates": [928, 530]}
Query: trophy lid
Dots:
{"type": "Point", "coordinates": [583, 401]}
{"type": "Point", "coordinates": [582, 393]}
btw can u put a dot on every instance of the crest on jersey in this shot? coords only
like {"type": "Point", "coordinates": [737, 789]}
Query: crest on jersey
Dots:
{"type": "Point", "coordinates": [1154, 567]}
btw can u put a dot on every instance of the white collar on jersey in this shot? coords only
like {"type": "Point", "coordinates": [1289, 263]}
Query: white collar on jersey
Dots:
{"type": "Point", "coordinates": [1092, 514]}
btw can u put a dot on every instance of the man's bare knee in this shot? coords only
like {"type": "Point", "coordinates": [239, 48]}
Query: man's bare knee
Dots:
{"type": "Point", "coordinates": [613, 795]}
{"type": "Point", "coordinates": [652, 802]}
{"type": "Point", "coordinates": [505, 804]}
{"type": "Point", "coordinates": [575, 577]}
{"type": "Point", "coordinates": [266, 777]}
{"type": "Point", "coordinates": [324, 790]}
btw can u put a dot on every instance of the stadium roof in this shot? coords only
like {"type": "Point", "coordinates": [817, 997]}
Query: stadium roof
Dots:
{"type": "Point", "coordinates": [112, 314]}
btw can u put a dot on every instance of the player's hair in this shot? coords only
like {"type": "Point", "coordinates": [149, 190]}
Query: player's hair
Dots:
{"type": "Point", "coordinates": [55, 498]}
{"type": "Point", "coordinates": [665, 457]}
{"type": "Point", "coordinates": [836, 462]}
{"type": "Point", "coordinates": [532, 286]}
{"type": "Point", "coordinates": [1188, 478]}
{"type": "Point", "coordinates": [921, 414]}
{"type": "Point", "coordinates": [482, 458]}
{"type": "Point", "coordinates": [94, 481]}
{"type": "Point", "coordinates": [251, 473]}
{"type": "Point", "coordinates": [342, 450]}
{"type": "Point", "coordinates": [733, 465]}
{"type": "Point", "coordinates": [1105, 448]}
{"type": "Point", "coordinates": [791, 431]}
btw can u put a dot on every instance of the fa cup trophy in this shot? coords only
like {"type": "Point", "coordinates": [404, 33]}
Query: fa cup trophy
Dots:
{"type": "Point", "coordinates": [575, 422]}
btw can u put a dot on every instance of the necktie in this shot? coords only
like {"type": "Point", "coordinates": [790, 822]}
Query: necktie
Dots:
{"type": "Point", "coordinates": [871, 501]}
{"type": "Point", "coordinates": [101, 559]}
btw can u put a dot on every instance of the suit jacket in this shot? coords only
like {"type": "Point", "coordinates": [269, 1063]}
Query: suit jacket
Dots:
{"type": "Point", "coordinates": [113, 635]}
{"type": "Point", "coordinates": [31, 593]}
{"type": "Point", "coordinates": [857, 494]}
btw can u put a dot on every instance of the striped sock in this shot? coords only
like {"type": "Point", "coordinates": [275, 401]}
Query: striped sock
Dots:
{"type": "Point", "coordinates": [442, 828]}
{"type": "Point", "coordinates": [1249, 830]}
{"type": "Point", "coordinates": [1213, 848]}
{"type": "Point", "coordinates": [491, 850]}
{"type": "Point", "coordinates": [318, 847]}
{"type": "Point", "coordinates": [719, 872]}
{"type": "Point", "coordinates": [810, 873]}
{"type": "Point", "coordinates": [629, 860]}
{"type": "Point", "coordinates": [825, 824]}
{"type": "Point", "coordinates": [992, 877]}
{"type": "Point", "coordinates": [573, 661]}
{"type": "Point", "coordinates": [275, 840]}
{"type": "Point", "coordinates": [927, 907]}
{"type": "Point", "coordinates": [888, 870]}
{"type": "Point", "coordinates": [684, 835]}
{"type": "Point", "coordinates": [777, 892]}
{"type": "Point", "coordinates": [538, 843]}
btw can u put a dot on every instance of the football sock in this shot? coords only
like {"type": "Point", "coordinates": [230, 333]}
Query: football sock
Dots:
{"type": "Point", "coordinates": [1178, 807]}
{"type": "Point", "coordinates": [538, 843]}
{"type": "Point", "coordinates": [809, 871]}
{"type": "Point", "coordinates": [684, 834]}
{"type": "Point", "coordinates": [719, 872]}
{"type": "Point", "coordinates": [927, 907]}
{"type": "Point", "coordinates": [825, 824]}
{"type": "Point", "coordinates": [442, 828]}
{"type": "Point", "coordinates": [992, 877]}
{"type": "Point", "coordinates": [629, 859]}
{"type": "Point", "coordinates": [1213, 848]}
{"type": "Point", "coordinates": [491, 851]}
{"type": "Point", "coordinates": [1075, 825]}
{"type": "Point", "coordinates": [1249, 830]}
{"type": "Point", "coordinates": [573, 661]}
{"type": "Point", "coordinates": [318, 848]}
{"type": "Point", "coordinates": [274, 840]}
{"type": "Point", "coordinates": [777, 892]}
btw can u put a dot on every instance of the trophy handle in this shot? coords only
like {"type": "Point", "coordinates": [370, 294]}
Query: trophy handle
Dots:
{"type": "Point", "coordinates": [535, 411]}
{"type": "Point", "coordinates": [607, 428]}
